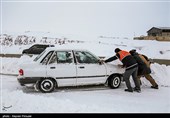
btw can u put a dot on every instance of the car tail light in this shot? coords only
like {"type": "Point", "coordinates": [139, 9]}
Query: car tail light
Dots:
{"type": "Point", "coordinates": [21, 72]}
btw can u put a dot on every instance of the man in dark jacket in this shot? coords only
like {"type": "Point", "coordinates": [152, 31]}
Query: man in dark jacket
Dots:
{"type": "Point", "coordinates": [131, 68]}
{"type": "Point", "coordinates": [144, 68]}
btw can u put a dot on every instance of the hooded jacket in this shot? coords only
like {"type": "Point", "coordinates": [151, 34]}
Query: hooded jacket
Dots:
{"type": "Point", "coordinates": [142, 64]}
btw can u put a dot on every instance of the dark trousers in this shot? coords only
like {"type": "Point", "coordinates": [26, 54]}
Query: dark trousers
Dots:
{"type": "Point", "coordinates": [127, 75]}
{"type": "Point", "coordinates": [149, 78]}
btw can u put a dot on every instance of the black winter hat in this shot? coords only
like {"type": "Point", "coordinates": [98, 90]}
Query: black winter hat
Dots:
{"type": "Point", "coordinates": [117, 50]}
{"type": "Point", "coordinates": [133, 52]}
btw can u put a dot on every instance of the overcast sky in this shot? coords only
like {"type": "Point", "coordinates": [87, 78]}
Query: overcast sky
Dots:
{"type": "Point", "coordinates": [123, 19]}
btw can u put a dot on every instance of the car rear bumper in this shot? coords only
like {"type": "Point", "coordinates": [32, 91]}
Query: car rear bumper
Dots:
{"type": "Point", "coordinates": [27, 80]}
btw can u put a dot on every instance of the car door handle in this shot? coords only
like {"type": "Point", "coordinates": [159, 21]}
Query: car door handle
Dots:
{"type": "Point", "coordinates": [52, 67]}
{"type": "Point", "coordinates": [81, 67]}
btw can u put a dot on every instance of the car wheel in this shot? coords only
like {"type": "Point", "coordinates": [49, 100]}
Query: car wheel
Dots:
{"type": "Point", "coordinates": [46, 85]}
{"type": "Point", "coordinates": [36, 86]}
{"type": "Point", "coordinates": [114, 81]}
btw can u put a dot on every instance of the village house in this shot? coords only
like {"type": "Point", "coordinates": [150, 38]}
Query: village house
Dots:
{"type": "Point", "coordinates": [156, 33]}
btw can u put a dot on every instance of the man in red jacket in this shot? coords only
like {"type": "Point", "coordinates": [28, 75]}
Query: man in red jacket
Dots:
{"type": "Point", "coordinates": [131, 68]}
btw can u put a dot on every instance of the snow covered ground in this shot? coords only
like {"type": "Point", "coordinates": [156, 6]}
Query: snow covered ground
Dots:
{"type": "Point", "coordinates": [17, 99]}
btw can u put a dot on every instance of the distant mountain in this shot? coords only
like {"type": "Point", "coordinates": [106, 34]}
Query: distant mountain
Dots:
{"type": "Point", "coordinates": [30, 38]}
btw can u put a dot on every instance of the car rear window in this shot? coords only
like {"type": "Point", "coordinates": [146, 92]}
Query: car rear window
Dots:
{"type": "Point", "coordinates": [39, 55]}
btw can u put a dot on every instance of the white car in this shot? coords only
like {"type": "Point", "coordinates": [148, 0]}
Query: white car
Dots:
{"type": "Point", "coordinates": [67, 67]}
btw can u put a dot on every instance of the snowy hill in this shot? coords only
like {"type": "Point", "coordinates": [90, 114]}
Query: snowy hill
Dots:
{"type": "Point", "coordinates": [14, 43]}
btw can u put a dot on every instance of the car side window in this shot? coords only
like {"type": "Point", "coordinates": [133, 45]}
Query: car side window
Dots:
{"type": "Point", "coordinates": [42, 46]}
{"type": "Point", "coordinates": [34, 46]}
{"type": "Point", "coordinates": [64, 57]}
{"type": "Point", "coordinates": [46, 58]}
{"type": "Point", "coordinates": [85, 57]}
{"type": "Point", "coordinates": [39, 47]}
{"type": "Point", "coordinates": [33, 49]}
{"type": "Point", "coordinates": [53, 58]}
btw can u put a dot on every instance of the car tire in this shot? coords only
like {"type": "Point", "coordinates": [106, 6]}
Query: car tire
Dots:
{"type": "Point", "coordinates": [114, 81]}
{"type": "Point", "coordinates": [36, 86]}
{"type": "Point", "coordinates": [46, 85]}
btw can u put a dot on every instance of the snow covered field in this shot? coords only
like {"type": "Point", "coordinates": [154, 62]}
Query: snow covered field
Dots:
{"type": "Point", "coordinates": [101, 46]}
{"type": "Point", "coordinates": [17, 99]}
